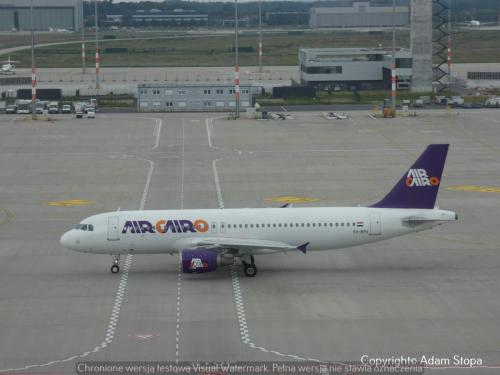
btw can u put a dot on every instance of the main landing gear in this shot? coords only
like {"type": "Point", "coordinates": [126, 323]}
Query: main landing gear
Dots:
{"type": "Point", "coordinates": [115, 268]}
{"type": "Point", "coordinates": [249, 267]}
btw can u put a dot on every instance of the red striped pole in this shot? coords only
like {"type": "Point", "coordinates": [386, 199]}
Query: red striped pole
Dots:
{"type": "Point", "coordinates": [97, 68]}
{"type": "Point", "coordinates": [393, 82]}
{"type": "Point", "coordinates": [449, 59]}
{"type": "Point", "coordinates": [237, 86]}
{"type": "Point", "coordinates": [260, 56]}
{"type": "Point", "coordinates": [33, 85]}
{"type": "Point", "coordinates": [83, 57]}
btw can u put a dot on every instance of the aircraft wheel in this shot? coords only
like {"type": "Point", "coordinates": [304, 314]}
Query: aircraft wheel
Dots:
{"type": "Point", "coordinates": [115, 268]}
{"type": "Point", "coordinates": [250, 270]}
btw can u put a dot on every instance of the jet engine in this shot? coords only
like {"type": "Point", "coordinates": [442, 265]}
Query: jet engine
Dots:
{"type": "Point", "coordinates": [204, 260]}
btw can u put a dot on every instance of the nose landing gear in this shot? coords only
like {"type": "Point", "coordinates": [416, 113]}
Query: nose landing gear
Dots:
{"type": "Point", "coordinates": [115, 268]}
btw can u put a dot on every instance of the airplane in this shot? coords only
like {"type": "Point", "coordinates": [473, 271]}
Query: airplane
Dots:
{"type": "Point", "coordinates": [9, 67]}
{"type": "Point", "coordinates": [207, 239]}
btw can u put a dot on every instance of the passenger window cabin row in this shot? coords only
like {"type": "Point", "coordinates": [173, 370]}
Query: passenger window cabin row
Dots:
{"type": "Point", "coordinates": [286, 225]}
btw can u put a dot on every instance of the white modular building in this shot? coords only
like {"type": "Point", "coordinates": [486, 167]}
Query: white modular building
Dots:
{"type": "Point", "coordinates": [189, 97]}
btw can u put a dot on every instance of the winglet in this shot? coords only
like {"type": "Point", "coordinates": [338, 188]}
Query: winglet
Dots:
{"type": "Point", "coordinates": [303, 247]}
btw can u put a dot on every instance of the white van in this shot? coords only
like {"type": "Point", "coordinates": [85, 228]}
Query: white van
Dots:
{"type": "Point", "coordinates": [493, 102]}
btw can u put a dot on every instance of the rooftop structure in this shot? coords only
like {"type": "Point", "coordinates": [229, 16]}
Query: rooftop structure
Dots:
{"type": "Point", "coordinates": [353, 68]}
{"type": "Point", "coordinates": [361, 14]}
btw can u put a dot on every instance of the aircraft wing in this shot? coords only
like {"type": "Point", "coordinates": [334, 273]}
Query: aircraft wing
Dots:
{"type": "Point", "coordinates": [242, 245]}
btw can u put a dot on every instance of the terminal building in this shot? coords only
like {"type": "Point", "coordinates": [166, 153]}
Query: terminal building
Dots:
{"type": "Point", "coordinates": [171, 19]}
{"type": "Point", "coordinates": [360, 14]}
{"type": "Point", "coordinates": [187, 97]}
{"type": "Point", "coordinates": [353, 68]}
{"type": "Point", "coordinates": [47, 14]}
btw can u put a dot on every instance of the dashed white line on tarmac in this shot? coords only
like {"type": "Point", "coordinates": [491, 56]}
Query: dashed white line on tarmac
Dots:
{"type": "Point", "coordinates": [218, 189]}
{"type": "Point", "coordinates": [178, 314]}
{"type": "Point", "coordinates": [238, 297]}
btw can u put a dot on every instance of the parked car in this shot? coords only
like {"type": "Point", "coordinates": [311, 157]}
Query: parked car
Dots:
{"type": "Point", "coordinates": [425, 99]}
{"type": "Point", "coordinates": [79, 113]}
{"type": "Point", "coordinates": [90, 113]}
{"type": "Point", "coordinates": [492, 102]}
{"type": "Point", "coordinates": [441, 100]}
{"type": "Point", "coordinates": [418, 103]}
{"type": "Point", "coordinates": [88, 107]}
{"type": "Point", "coordinates": [456, 101]}
{"type": "Point", "coordinates": [11, 109]}
{"type": "Point", "coordinates": [53, 107]}
{"type": "Point", "coordinates": [66, 108]}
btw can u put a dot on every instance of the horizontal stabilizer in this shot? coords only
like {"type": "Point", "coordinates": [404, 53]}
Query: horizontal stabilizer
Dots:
{"type": "Point", "coordinates": [303, 247]}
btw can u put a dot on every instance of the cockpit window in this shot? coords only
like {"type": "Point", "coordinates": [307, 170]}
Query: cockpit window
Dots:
{"type": "Point", "coordinates": [85, 227]}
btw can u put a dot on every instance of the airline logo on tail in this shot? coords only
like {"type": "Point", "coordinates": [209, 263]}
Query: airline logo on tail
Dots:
{"type": "Point", "coordinates": [420, 177]}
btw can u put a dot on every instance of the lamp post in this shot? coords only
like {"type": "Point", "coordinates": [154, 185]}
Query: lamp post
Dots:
{"type": "Point", "coordinates": [97, 84]}
{"type": "Point", "coordinates": [260, 36]}
{"type": "Point", "coordinates": [83, 39]}
{"type": "Point", "coordinates": [393, 67]}
{"type": "Point", "coordinates": [33, 69]}
{"type": "Point", "coordinates": [449, 43]}
{"type": "Point", "coordinates": [236, 62]}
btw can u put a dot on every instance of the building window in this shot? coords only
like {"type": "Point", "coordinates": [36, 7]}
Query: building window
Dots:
{"type": "Point", "coordinates": [143, 91]}
{"type": "Point", "coordinates": [220, 92]}
{"type": "Point", "coordinates": [406, 63]}
{"type": "Point", "coordinates": [182, 92]}
{"type": "Point", "coordinates": [244, 91]}
{"type": "Point", "coordinates": [169, 92]}
{"type": "Point", "coordinates": [207, 104]}
{"type": "Point", "coordinates": [231, 91]}
{"type": "Point", "coordinates": [156, 92]}
{"type": "Point", "coordinates": [207, 91]}
{"type": "Point", "coordinates": [169, 104]}
{"type": "Point", "coordinates": [324, 70]}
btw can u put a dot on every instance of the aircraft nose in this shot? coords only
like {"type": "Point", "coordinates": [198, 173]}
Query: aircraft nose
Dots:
{"type": "Point", "coordinates": [66, 240]}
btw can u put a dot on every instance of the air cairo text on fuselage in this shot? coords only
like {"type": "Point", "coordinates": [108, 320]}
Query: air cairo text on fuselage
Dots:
{"type": "Point", "coordinates": [163, 226]}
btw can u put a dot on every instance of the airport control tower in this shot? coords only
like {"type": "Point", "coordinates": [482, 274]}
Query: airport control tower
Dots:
{"type": "Point", "coordinates": [421, 45]}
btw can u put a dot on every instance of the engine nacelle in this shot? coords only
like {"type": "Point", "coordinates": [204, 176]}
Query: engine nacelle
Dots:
{"type": "Point", "coordinates": [204, 260]}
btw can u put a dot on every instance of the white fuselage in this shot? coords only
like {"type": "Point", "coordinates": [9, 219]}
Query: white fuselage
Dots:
{"type": "Point", "coordinates": [323, 228]}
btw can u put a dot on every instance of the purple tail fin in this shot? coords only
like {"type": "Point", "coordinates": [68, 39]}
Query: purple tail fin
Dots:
{"type": "Point", "coordinates": [419, 186]}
